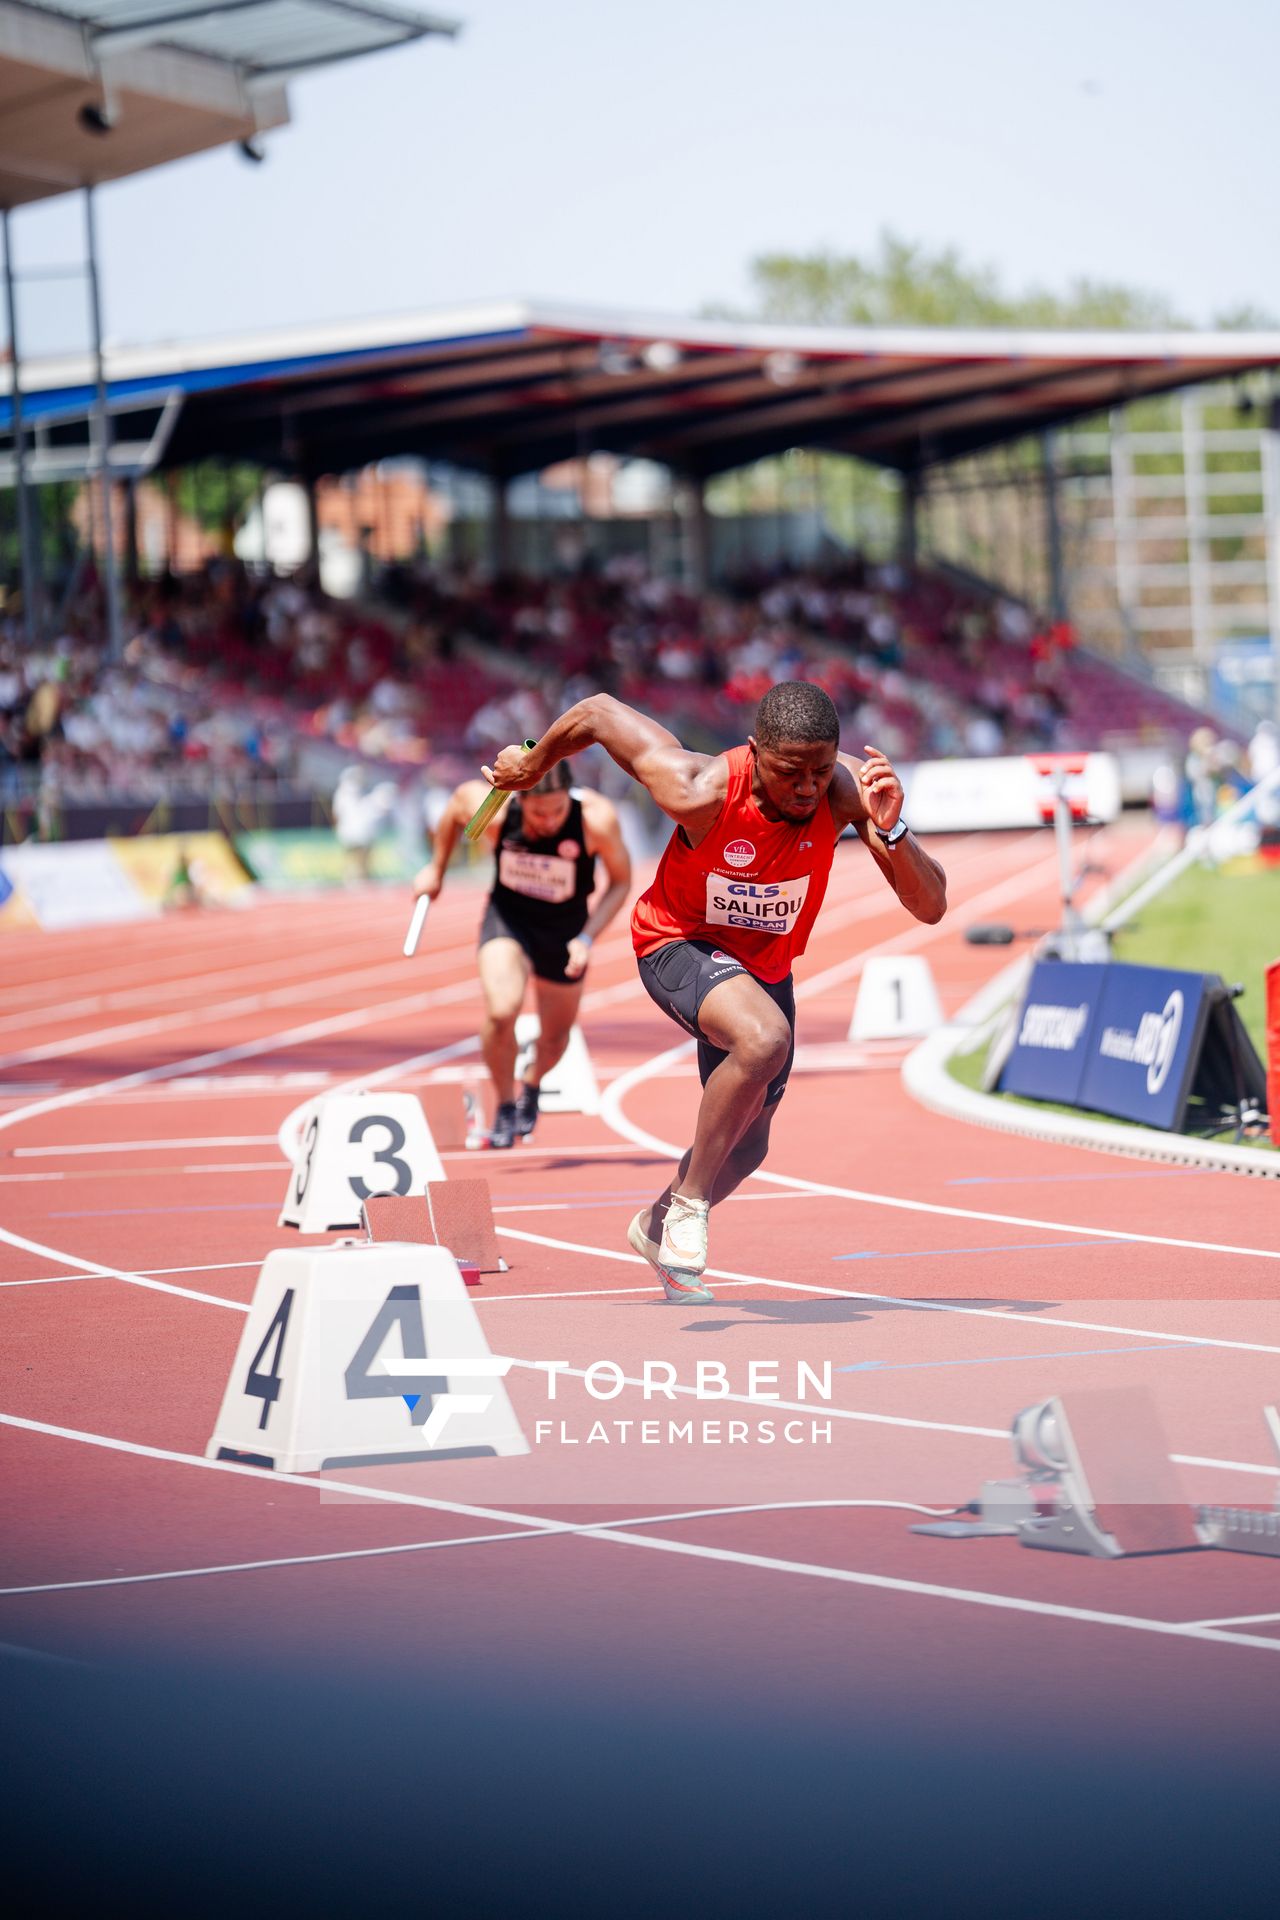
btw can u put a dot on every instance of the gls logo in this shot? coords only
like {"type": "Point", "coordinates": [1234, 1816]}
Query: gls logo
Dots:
{"type": "Point", "coordinates": [748, 890]}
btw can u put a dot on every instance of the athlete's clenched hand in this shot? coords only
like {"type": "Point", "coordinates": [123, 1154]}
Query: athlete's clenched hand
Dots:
{"type": "Point", "coordinates": [514, 770]}
{"type": "Point", "coordinates": [576, 959]}
{"type": "Point", "coordinates": [881, 789]}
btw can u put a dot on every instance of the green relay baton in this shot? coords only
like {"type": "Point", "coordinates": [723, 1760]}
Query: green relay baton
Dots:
{"type": "Point", "coordinates": [495, 798]}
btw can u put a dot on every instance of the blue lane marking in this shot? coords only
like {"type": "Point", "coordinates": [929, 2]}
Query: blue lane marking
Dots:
{"type": "Point", "coordinates": [1017, 1246]}
{"type": "Point", "coordinates": [996, 1359]}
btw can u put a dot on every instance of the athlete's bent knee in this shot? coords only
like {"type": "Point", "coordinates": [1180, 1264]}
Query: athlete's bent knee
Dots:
{"type": "Point", "coordinates": [761, 1049]}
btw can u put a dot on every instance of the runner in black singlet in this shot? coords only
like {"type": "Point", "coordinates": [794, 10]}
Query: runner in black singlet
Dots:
{"type": "Point", "coordinates": [538, 924]}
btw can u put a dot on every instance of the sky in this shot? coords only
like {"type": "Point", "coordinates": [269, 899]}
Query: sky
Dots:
{"type": "Point", "coordinates": [639, 155]}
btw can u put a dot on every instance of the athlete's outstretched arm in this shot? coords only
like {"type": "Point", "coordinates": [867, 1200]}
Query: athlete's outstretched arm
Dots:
{"type": "Point", "coordinates": [463, 802]}
{"type": "Point", "coordinates": [868, 794]}
{"type": "Point", "coordinates": [687, 786]}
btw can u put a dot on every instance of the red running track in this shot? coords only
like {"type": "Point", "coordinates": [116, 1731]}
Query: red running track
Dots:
{"type": "Point", "coordinates": [950, 1276]}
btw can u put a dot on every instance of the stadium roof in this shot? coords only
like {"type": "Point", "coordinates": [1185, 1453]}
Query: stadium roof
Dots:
{"type": "Point", "coordinates": [511, 388]}
{"type": "Point", "coordinates": [175, 77]}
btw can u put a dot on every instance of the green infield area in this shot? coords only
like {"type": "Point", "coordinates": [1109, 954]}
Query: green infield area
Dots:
{"type": "Point", "coordinates": [1209, 920]}
{"type": "Point", "coordinates": [1214, 920]}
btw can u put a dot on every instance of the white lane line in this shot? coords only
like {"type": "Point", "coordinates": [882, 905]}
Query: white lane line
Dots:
{"type": "Point", "coordinates": [9, 1651]}
{"type": "Point", "coordinates": [685, 1549]}
{"type": "Point", "coordinates": [459, 1540]}
{"type": "Point", "coordinates": [96, 1270]}
{"type": "Point", "coordinates": [613, 1115]}
{"type": "Point", "coordinates": [925, 1306]}
{"type": "Point", "coordinates": [145, 1146]}
{"type": "Point", "coordinates": [597, 1206]}
{"type": "Point", "coordinates": [137, 1173]}
{"type": "Point", "coordinates": [243, 1050]}
{"type": "Point", "coordinates": [1003, 1314]}
{"type": "Point", "coordinates": [359, 979]}
{"type": "Point", "coordinates": [1239, 1620]}
{"type": "Point", "coordinates": [468, 1540]}
{"type": "Point", "coordinates": [149, 1273]}
{"type": "Point", "coordinates": [176, 986]}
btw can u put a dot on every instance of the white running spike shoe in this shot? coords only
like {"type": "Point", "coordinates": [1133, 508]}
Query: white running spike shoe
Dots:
{"type": "Point", "coordinates": [690, 1288]}
{"type": "Point", "coordinates": [684, 1234]}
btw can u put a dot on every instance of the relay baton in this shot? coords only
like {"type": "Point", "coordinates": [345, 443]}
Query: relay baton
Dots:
{"type": "Point", "coordinates": [416, 925]}
{"type": "Point", "coordinates": [495, 798]}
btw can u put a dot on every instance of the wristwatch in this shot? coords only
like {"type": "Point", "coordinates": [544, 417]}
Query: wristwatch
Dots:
{"type": "Point", "coordinates": [894, 834]}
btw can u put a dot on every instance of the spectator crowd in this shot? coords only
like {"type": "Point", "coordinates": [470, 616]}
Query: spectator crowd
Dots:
{"type": "Point", "coordinates": [227, 676]}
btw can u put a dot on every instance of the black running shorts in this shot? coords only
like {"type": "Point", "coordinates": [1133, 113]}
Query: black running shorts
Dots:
{"type": "Point", "coordinates": [679, 977]}
{"type": "Point", "coordinates": [547, 954]}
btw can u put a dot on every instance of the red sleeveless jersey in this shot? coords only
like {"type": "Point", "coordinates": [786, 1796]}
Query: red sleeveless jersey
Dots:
{"type": "Point", "coordinates": [752, 886]}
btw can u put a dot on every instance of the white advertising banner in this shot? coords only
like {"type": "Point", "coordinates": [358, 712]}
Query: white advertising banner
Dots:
{"type": "Point", "coordinates": [76, 883]}
{"type": "Point", "coordinates": [974, 796]}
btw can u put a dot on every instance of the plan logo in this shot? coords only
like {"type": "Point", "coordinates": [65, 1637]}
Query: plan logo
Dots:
{"type": "Point", "coordinates": [739, 853]}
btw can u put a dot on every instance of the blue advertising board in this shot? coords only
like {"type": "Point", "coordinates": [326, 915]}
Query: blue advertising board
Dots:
{"type": "Point", "coordinates": [1145, 1044]}
{"type": "Point", "coordinates": [1050, 1050]}
{"type": "Point", "coordinates": [1117, 1039]}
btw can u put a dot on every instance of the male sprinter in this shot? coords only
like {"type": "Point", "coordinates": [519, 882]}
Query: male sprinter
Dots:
{"type": "Point", "coordinates": [731, 908]}
{"type": "Point", "coordinates": [538, 921]}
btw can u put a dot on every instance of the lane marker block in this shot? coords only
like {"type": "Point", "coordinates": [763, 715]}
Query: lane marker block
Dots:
{"type": "Point", "coordinates": [342, 1363]}
{"type": "Point", "coordinates": [897, 999]}
{"type": "Point", "coordinates": [352, 1146]}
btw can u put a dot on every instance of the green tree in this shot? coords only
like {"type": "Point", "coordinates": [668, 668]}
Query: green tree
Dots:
{"type": "Point", "coordinates": [217, 493]}
{"type": "Point", "coordinates": [904, 283]}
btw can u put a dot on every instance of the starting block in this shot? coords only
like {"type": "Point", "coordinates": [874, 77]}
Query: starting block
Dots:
{"type": "Point", "coordinates": [457, 1214]}
{"type": "Point", "coordinates": [897, 999]}
{"type": "Point", "coordinates": [570, 1087]}
{"type": "Point", "coordinates": [357, 1356]}
{"type": "Point", "coordinates": [353, 1146]}
{"type": "Point", "coordinates": [1096, 1479]}
{"type": "Point", "coordinates": [1246, 1529]}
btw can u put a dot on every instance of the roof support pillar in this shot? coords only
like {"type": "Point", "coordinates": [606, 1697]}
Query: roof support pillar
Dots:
{"type": "Point", "coordinates": [499, 524]}
{"type": "Point", "coordinates": [131, 567]}
{"type": "Point", "coordinates": [313, 526]}
{"type": "Point", "coordinates": [102, 427]}
{"type": "Point", "coordinates": [908, 516]}
{"type": "Point", "coordinates": [696, 530]}
{"type": "Point", "coordinates": [26, 543]}
{"type": "Point", "coordinates": [1058, 606]}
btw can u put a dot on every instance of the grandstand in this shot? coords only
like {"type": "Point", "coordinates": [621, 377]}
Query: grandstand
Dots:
{"type": "Point", "coordinates": [935, 664]}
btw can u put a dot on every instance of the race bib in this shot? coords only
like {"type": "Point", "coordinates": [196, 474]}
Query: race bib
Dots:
{"type": "Point", "coordinates": [539, 876]}
{"type": "Point", "coordinates": [755, 906]}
